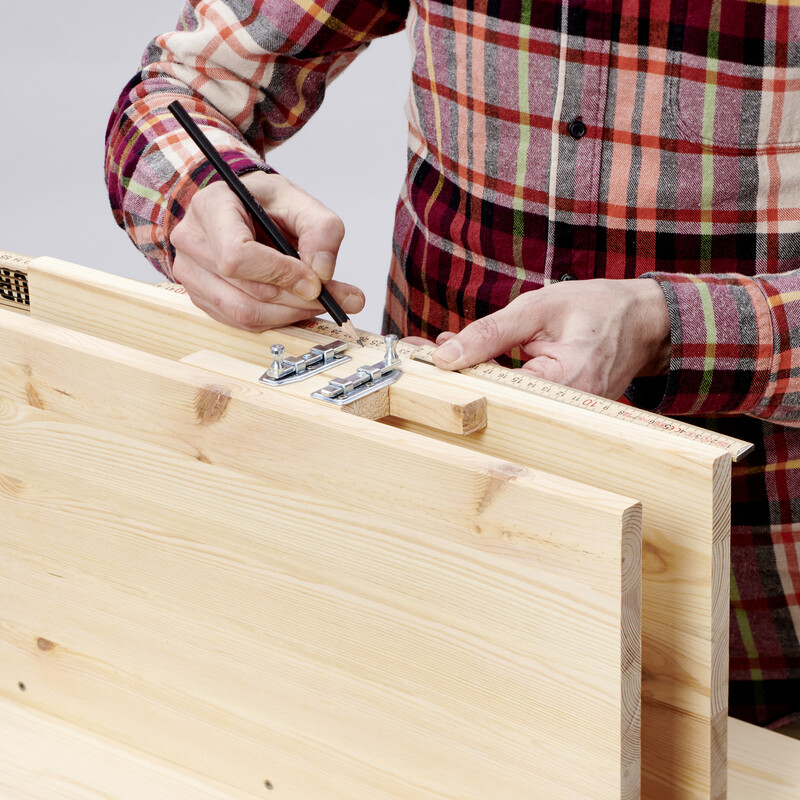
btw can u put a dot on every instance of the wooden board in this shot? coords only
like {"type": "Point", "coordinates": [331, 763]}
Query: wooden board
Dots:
{"type": "Point", "coordinates": [43, 758]}
{"type": "Point", "coordinates": [256, 589]}
{"type": "Point", "coordinates": [762, 764]}
{"type": "Point", "coordinates": [684, 487]}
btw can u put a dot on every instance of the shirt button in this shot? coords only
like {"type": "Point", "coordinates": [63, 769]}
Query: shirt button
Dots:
{"type": "Point", "coordinates": [568, 276]}
{"type": "Point", "coordinates": [576, 128]}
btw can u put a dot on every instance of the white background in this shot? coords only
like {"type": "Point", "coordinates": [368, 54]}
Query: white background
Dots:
{"type": "Point", "coordinates": [62, 66]}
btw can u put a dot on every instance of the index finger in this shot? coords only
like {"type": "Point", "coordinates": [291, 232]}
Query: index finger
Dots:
{"type": "Point", "coordinates": [487, 337]}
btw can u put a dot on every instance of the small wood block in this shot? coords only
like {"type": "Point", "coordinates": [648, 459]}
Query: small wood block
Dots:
{"type": "Point", "coordinates": [452, 410]}
{"type": "Point", "coordinates": [374, 406]}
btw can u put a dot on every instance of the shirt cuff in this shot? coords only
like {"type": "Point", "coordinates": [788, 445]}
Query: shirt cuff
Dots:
{"type": "Point", "coordinates": [722, 346]}
{"type": "Point", "coordinates": [197, 177]}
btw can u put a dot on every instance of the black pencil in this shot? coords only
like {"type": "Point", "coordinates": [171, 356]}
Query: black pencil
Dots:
{"type": "Point", "coordinates": [260, 217]}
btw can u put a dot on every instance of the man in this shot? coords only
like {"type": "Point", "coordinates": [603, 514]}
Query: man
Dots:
{"type": "Point", "coordinates": [571, 148]}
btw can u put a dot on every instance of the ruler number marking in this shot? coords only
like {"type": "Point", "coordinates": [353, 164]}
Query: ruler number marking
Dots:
{"type": "Point", "coordinates": [598, 405]}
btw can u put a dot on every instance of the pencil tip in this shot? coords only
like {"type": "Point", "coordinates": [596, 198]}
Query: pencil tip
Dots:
{"type": "Point", "coordinates": [349, 328]}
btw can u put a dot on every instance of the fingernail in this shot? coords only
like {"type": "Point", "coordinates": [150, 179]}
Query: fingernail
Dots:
{"type": "Point", "coordinates": [449, 352]}
{"type": "Point", "coordinates": [306, 289]}
{"type": "Point", "coordinates": [323, 264]}
{"type": "Point", "coordinates": [353, 303]}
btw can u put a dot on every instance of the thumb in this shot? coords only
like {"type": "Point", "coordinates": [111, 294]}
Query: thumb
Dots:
{"type": "Point", "coordinates": [483, 339]}
{"type": "Point", "coordinates": [319, 235]}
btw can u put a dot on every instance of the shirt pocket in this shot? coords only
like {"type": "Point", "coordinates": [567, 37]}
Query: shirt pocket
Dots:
{"type": "Point", "coordinates": [735, 68]}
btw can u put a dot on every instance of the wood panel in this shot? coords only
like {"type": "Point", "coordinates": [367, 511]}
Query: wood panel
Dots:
{"type": "Point", "coordinates": [685, 493]}
{"type": "Point", "coordinates": [762, 764]}
{"type": "Point", "coordinates": [684, 487]}
{"type": "Point", "coordinates": [43, 758]}
{"type": "Point", "coordinates": [258, 590]}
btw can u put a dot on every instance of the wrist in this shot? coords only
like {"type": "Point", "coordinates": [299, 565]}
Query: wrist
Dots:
{"type": "Point", "coordinates": [654, 327]}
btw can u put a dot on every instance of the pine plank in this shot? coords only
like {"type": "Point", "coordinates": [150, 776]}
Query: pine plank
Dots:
{"type": "Point", "coordinates": [188, 566]}
{"type": "Point", "coordinates": [43, 758]}
{"type": "Point", "coordinates": [762, 764]}
{"type": "Point", "coordinates": [684, 487]}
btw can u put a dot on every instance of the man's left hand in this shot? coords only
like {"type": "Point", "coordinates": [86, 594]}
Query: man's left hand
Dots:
{"type": "Point", "coordinates": [595, 335]}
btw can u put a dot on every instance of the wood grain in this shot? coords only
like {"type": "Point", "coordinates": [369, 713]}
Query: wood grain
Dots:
{"type": "Point", "coordinates": [450, 409]}
{"type": "Point", "coordinates": [684, 487]}
{"type": "Point", "coordinates": [43, 758]}
{"type": "Point", "coordinates": [215, 583]}
{"type": "Point", "coordinates": [685, 492]}
{"type": "Point", "coordinates": [762, 764]}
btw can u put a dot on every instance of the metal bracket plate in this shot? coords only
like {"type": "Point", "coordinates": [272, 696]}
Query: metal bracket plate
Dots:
{"type": "Point", "coordinates": [366, 380]}
{"type": "Point", "coordinates": [297, 368]}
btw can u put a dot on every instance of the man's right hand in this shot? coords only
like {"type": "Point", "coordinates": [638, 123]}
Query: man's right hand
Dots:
{"type": "Point", "coordinates": [232, 273]}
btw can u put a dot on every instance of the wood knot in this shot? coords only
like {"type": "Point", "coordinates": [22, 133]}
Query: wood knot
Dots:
{"type": "Point", "coordinates": [654, 561]}
{"type": "Point", "coordinates": [34, 401]}
{"type": "Point", "coordinates": [210, 403]}
{"type": "Point", "coordinates": [507, 471]}
{"type": "Point", "coordinates": [12, 486]}
{"type": "Point", "coordinates": [45, 644]}
{"type": "Point", "coordinates": [498, 475]}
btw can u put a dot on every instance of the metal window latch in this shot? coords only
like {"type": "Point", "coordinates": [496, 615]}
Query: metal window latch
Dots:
{"type": "Point", "coordinates": [297, 368]}
{"type": "Point", "coordinates": [367, 379]}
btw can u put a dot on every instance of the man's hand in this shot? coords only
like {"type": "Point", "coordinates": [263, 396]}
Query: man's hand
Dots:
{"type": "Point", "coordinates": [238, 279]}
{"type": "Point", "coordinates": [592, 335]}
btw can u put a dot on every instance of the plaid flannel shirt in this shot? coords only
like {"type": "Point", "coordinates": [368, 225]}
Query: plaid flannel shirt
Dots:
{"type": "Point", "coordinates": [552, 141]}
